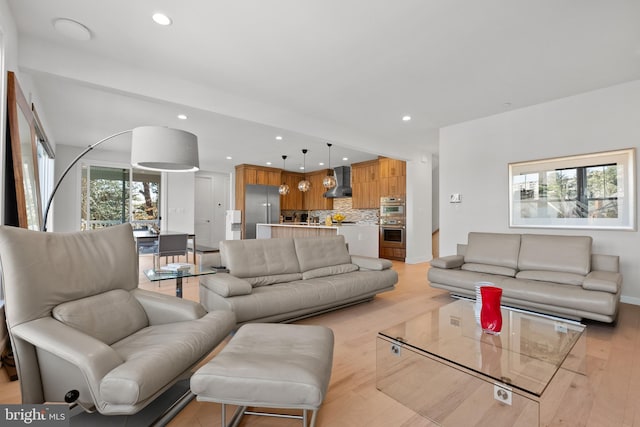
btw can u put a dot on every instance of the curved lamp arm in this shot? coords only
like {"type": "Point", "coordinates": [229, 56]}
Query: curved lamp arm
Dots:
{"type": "Point", "coordinates": [66, 171]}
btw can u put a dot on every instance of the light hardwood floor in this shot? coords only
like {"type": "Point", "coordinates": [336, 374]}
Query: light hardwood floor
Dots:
{"type": "Point", "coordinates": [609, 396]}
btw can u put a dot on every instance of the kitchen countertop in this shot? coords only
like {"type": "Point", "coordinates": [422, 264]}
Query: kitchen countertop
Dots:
{"type": "Point", "coordinates": [318, 225]}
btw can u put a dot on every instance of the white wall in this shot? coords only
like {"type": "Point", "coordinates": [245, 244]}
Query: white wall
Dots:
{"type": "Point", "coordinates": [179, 201]}
{"type": "Point", "coordinates": [474, 157]}
{"type": "Point", "coordinates": [419, 210]}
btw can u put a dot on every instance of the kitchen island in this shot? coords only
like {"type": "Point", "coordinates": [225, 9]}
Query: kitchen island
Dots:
{"type": "Point", "coordinates": [362, 239]}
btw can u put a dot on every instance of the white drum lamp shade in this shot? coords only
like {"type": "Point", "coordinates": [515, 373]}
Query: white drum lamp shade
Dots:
{"type": "Point", "coordinates": [164, 149]}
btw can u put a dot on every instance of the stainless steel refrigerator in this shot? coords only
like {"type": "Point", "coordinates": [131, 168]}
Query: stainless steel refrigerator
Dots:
{"type": "Point", "coordinates": [262, 206]}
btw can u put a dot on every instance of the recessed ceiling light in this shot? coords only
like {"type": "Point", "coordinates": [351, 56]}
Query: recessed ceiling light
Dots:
{"type": "Point", "coordinates": [268, 163]}
{"type": "Point", "coordinates": [301, 168]}
{"type": "Point", "coordinates": [406, 118]}
{"type": "Point", "coordinates": [321, 164]}
{"type": "Point", "coordinates": [161, 19]}
{"type": "Point", "coordinates": [182, 116]}
{"type": "Point", "coordinates": [279, 138]}
{"type": "Point", "coordinates": [344, 159]}
{"type": "Point", "coordinates": [72, 29]}
{"type": "Point", "coordinates": [229, 157]}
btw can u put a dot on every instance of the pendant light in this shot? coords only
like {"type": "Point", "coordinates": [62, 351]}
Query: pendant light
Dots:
{"type": "Point", "coordinates": [304, 185]}
{"type": "Point", "coordinates": [329, 181]}
{"type": "Point", "coordinates": [284, 188]}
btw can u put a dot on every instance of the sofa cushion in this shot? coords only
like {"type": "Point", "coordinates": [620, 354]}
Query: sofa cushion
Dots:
{"type": "Point", "coordinates": [568, 254]}
{"type": "Point", "coordinates": [272, 303]}
{"type": "Point", "coordinates": [273, 279]}
{"type": "Point", "coordinates": [156, 355]}
{"type": "Point", "coordinates": [552, 276]}
{"type": "Point", "coordinates": [329, 271]}
{"type": "Point", "coordinates": [493, 249]}
{"type": "Point", "coordinates": [318, 252]}
{"type": "Point", "coordinates": [108, 317]}
{"type": "Point", "coordinates": [261, 257]}
{"type": "Point", "coordinates": [225, 284]}
{"type": "Point", "coordinates": [488, 268]}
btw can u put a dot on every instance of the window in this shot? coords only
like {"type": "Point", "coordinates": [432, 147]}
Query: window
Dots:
{"type": "Point", "coordinates": [111, 196]}
{"type": "Point", "coordinates": [585, 191]}
{"type": "Point", "coordinates": [582, 192]}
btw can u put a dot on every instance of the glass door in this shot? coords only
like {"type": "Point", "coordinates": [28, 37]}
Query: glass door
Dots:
{"type": "Point", "coordinates": [111, 195]}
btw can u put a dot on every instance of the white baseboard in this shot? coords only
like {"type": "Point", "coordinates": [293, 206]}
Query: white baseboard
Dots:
{"type": "Point", "coordinates": [417, 260]}
{"type": "Point", "coordinates": [630, 300]}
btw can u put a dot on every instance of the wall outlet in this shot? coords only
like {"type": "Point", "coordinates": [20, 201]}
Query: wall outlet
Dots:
{"type": "Point", "coordinates": [395, 349]}
{"type": "Point", "coordinates": [502, 394]}
{"type": "Point", "coordinates": [455, 198]}
{"type": "Point", "coordinates": [559, 327]}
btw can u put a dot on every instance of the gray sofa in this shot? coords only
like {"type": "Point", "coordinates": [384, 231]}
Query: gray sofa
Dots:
{"type": "Point", "coordinates": [550, 274]}
{"type": "Point", "coordinates": [274, 280]}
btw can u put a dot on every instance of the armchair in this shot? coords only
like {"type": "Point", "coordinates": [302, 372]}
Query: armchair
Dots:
{"type": "Point", "coordinates": [77, 321]}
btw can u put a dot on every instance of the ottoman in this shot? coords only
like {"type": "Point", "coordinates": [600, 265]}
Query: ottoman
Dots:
{"type": "Point", "coordinates": [269, 365]}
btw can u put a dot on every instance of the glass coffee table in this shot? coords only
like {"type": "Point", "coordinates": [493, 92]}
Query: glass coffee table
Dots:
{"type": "Point", "coordinates": [155, 275]}
{"type": "Point", "coordinates": [441, 365]}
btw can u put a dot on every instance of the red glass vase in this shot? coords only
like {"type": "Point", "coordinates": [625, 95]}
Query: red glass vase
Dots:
{"type": "Point", "coordinates": [490, 315]}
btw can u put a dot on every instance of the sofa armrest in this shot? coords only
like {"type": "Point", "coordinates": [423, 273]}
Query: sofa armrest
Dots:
{"type": "Point", "coordinates": [161, 308]}
{"type": "Point", "coordinates": [605, 281]}
{"type": "Point", "coordinates": [451, 261]}
{"type": "Point", "coordinates": [226, 285]}
{"type": "Point", "coordinates": [92, 357]}
{"type": "Point", "coordinates": [370, 263]}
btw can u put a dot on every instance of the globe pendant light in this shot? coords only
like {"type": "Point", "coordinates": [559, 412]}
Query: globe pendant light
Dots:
{"type": "Point", "coordinates": [329, 181]}
{"type": "Point", "coordinates": [304, 185]}
{"type": "Point", "coordinates": [284, 188]}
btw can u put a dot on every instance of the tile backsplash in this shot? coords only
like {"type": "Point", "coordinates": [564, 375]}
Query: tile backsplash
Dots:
{"type": "Point", "coordinates": [344, 206]}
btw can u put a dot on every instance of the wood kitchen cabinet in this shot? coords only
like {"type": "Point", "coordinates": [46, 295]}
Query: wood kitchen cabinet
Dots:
{"type": "Point", "coordinates": [393, 253]}
{"type": "Point", "coordinates": [393, 180]}
{"type": "Point", "coordinates": [314, 199]}
{"type": "Point", "coordinates": [251, 174]}
{"type": "Point", "coordinates": [365, 185]}
{"type": "Point", "coordinates": [294, 200]}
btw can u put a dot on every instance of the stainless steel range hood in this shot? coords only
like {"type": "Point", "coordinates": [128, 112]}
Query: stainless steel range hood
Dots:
{"type": "Point", "coordinates": [343, 186]}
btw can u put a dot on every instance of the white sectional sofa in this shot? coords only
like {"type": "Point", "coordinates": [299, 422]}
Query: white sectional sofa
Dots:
{"type": "Point", "coordinates": [550, 274]}
{"type": "Point", "coordinates": [274, 280]}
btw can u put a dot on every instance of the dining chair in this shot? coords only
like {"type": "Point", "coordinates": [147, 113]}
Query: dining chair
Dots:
{"type": "Point", "coordinates": [170, 245]}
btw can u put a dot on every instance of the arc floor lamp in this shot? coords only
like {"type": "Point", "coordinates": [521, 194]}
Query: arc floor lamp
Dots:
{"type": "Point", "coordinates": [152, 147]}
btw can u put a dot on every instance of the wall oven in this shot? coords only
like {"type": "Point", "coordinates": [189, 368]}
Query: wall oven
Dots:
{"type": "Point", "coordinates": [392, 235]}
{"type": "Point", "coordinates": [392, 207]}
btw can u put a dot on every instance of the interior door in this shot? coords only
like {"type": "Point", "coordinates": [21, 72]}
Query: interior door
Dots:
{"type": "Point", "coordinates": [204, 211]}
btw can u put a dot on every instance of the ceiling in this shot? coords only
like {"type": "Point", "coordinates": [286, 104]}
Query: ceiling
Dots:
{"type": "Point", "coordinates": [313, 72]}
